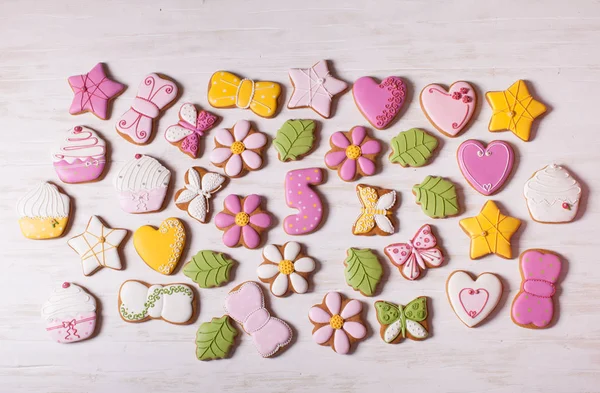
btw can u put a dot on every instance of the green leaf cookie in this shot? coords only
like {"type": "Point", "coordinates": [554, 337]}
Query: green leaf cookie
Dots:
{"type": "Point", "coordinates": [363, 270]}
{"type": "Point", "coordinates": [215, 338]}
{"type": "Point", "coordinates": [295, 138]}
{"type": "Point", "coordinates": [412, 148]}
{"type": "Point", "coordinates": [208, 269]}
{"type": "Point", "coordinates": [437, 197]}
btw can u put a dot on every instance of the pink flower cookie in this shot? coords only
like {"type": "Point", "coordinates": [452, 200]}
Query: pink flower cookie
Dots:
{"type": "Point", "coordinates": [337, 323]}
{"type": "Point", "coordinates": [81, 157]}
{"type": "Point", "coordinates": [449, 110]}
{"type": "Point", "coordinates": [243, 221]}
{"type": "Point", "coordinates": [486, 168]}
{"type": "Point", "coordinates": [299, 195]}
{"type": "Point", "coordinates": [191, 126]}
{"type": "Point", "coordinates": [349, 147]}
{"type": "Point", "coordinates": [379, 102]}
{"type": "Point", "coordinates": [239, 149]}
{"type": "Point", "coordinates": [93, 91]}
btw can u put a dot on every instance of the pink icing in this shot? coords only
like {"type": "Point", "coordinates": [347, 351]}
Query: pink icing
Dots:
{"type": "Point", "coordinates": [299, 195]}
{"type": "Point", "coordinates": [485, 168]}
{"type": "Point", "coordinates": [72, 329]}
{"type": "Point", "coordinates": [473, 300]}
{"type": "Point", "coordinates": [348, 168]}
{"type": "Point", "coordinates": [234, 233]}
{"type": "Point", "coordinates": [450, 111]}
{"type": "Point", "coordinates": [80, 171]}
{"type": "Point", "coordinates": [93, 91]}
{"type": "Point", "coordinates": [379, 103]}
{"type": "Point", "coordinates": [142, 201]}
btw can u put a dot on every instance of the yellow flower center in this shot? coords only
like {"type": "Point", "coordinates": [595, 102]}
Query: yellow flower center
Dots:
{"type": "Point", "coordinates": [336, 322]}
{"type": "Point", "coordinates": [242, 219]}
{"type": "Point", "coordinates": [286, 267]}
{"type": "Point", "coordinates": [511, 113]}
{"type": "Point", "coordinates": [237, 147]}
{"type": "Point", "coordinates": [353, 152]}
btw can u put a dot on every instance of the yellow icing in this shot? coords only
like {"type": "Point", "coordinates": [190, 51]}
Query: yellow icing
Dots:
{"type": "Point", "coordinates": [43, 228]}
{"type": "Point", "coordinates": [286, 267]}
{"type": "Point", "coordinates": [161, 248]}
{"type": "Point", "coordinates": [237, 147]}
{"type": "Point", "coordinates": [353, 152]}
{"type": "Point", "coordinates": [336, 322]}
{"type": "Point", "coordinates": [242, 219]}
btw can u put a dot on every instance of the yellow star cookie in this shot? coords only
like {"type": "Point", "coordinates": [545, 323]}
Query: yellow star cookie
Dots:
{"type": "Point", "coordinates": [514, 109]}
{"type": "Point", "coordinates": [490, 231]}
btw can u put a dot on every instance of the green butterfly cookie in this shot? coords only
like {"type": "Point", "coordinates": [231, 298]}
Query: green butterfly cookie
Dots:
{"type": "Point", "coordinates": [398, 322]}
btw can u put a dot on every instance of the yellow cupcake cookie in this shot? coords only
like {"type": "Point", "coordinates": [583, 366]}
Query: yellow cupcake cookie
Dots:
{"type": "Point", "coordinates": [43, 212]}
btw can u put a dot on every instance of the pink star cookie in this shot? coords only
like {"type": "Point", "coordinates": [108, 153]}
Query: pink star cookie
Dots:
{"type": "Point", "coordinates": [93, 91]}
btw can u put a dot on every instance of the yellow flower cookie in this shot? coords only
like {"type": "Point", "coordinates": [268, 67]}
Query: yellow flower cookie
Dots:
{"type": "Point", "coordinates": [43, 212]}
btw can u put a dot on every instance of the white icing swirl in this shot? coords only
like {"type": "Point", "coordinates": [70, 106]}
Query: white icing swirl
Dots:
{"type": "Point", "coordinates": [44, 201]}
{"type": "Point", "coordinates": [144, 173]}
{"type": "Point", "coordinates": [552, 184]}
{"type": "Point", "coordinates": [81, 143]}
{"type": "Point", "coordinates": [68, 302]}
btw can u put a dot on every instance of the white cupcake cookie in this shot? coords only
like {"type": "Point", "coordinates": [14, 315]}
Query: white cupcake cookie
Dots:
{"type": "Point", "coordinates": [43, 212]}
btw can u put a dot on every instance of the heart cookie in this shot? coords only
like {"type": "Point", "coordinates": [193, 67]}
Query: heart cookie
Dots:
{"type": "Point", "coordinates": [485, 168]}
{"type": "Point", "coordinates": [449, 110]}
{"type": "Point", "coordinates": [473, 299]}
{"type": "Point", "coordinates": [160, 248]}
{"type": "Point", "coordinates": [379, 102]}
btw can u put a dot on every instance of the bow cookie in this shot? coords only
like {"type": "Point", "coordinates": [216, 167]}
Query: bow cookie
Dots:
{"type": "Point", "coordinates": [153, 95]}
{"type": "Point", "coordinates": [173, 303]}
{"type": "Point", "coordinates": [228, 90]}
{"type": "Point", "coordinates": [246, 305]}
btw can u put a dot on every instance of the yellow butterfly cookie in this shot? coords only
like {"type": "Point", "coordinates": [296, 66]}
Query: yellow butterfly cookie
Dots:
{"type": "Point", "coordinates": [160, 248]}
{"type": "Point", "coordinates": [375, 215]}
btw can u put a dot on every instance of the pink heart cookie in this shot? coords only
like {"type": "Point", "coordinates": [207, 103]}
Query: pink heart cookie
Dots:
{"type": "Point", "coordinates": [485, 168]}
{"type": "Point", "coordinates": [449, 110]}
{"type": "Point", "coordinates": [379, 103]}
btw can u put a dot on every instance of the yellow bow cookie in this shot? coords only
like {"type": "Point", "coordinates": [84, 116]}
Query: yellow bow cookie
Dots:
{"type": "Point", "coordinates": [228, 90]}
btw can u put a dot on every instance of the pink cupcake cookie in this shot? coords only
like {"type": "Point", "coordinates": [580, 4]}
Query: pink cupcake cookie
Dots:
{"type": "Point", "coordinates": [81, 157]}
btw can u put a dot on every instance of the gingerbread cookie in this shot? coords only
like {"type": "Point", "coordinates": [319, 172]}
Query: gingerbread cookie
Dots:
{"type": "Point", "coordinates": [337, 322]}
{"type": "Point", "coordinates": [399, 322]}
{"type": "Point", "coordinates": [215, 339]}
{"type": "Point", "coordinates": [376, 211]}
{"type": "Point", "coordinates": [486, 168]}
{"type": "Point", "coordinates": [209, 269]}
{"type": "Point", "coordinates": [191, 127]}
{"type": "Point", "coordinates": [242, 221]}
{"type": "Point", "coordinates": [473, 300]}
{"type": "Point", "coordinates": [93, 92]}
{"type": "Point", "coordinates": [450, 111]}
{"type": "Point", "coordinates": [43, 212]}
{"type": "Point", "coordinates": [161, 248]}
{"type": "Point", "coordinates": [362, 270]}
{"type": "Point", "coordinates": [239, 149]}
{"type": "Point", "coordinates": [412, 148]}
{"type": "Point", "coordinates": [353, 153]}
{"type": "Point", "coordinates": [199, 187]}
{"type": "Point", "coordinates": [379, 103]}
{"type": "Point", "coordinates": [285, 268]}
{"type": "Point", "coordinates": [437, 197]}
{"type": "Point", "coordinates": [295, 139]}
{"type": "Point", "coordinates": [81, 157]}
{"type": "Point", "coordinates": [299, 195]}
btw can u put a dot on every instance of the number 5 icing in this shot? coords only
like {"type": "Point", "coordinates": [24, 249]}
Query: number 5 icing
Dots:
{"type": "Point", "coordinates": [299, 195]}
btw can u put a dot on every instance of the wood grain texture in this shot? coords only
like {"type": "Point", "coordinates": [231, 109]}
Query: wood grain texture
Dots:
{"type": "Point", "coordinates": [552, 44]}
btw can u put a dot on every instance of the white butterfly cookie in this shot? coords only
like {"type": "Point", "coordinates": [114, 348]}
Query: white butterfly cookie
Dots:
{"type": "Point", "coordinates": [199, 187]}
{"type": "Point", "coordinates": [375, 214]}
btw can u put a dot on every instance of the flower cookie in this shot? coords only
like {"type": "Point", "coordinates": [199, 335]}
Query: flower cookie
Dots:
{"type": "Point", "coordinates": [376, 211]}
{"type": "Point", "coordinates": [81, 157]}
{"type": "Point", "coordinates": [140, 302]}
{"type": "Point", "coordinates": [299, 195]}
{"type": "Point", "coordinates": [215, 339]}
{"type": "Point", "coordinates": [437, 197]}
{"type": "Point", "coordinates": [98, 246]}
{"type": "Point", "coordinates": [337, 322]}
{"type": "Point", "coordinates": [208, 269]}
{"type": "Point", "coordinates": [142, 185]}
{"type": "Point", "coordinates": [486, 168]}
{"type": "Point", "coordinates": [191, 126]}
{"type": "Point", "coordinates": [285, 268]}
{"type": "Point", "coordinates": [43, 212]}
{"type": "Point", "coordinates": [399, 322]}
{"type": "Point", "coordinates": [239, 149]}
{"type": "Point", "coordinates": [379, 103]}
{"type": "Point", "coordinates": [315, 88]}
{"type": "Point", "coordinates": [160, 248]}
{"type": "Point", "coordinates": [362, 270]}
{"type": "Point", "coordinates": [197, 192]}
{"type": "Point", "coordinates": [348, 148]}
{"type": "Point", "coordinates": [450, 111]}
{"type": "Point", "coordinates": [93, 92]}
{"type": "Point", "coordinates": [473, 300]}
{"type": "Point", "coordinates": [227, 90]}
{"type": "Point", "coordinates": [242, 221]}
{"type": "Point", "coordinates": [70, 314]}
{"type": "Point", "coordinates": [412, 148]}
{"type": "Point", "coordinates": [552, 195]}
{"type": "Point", "coordinates": [295, 139]}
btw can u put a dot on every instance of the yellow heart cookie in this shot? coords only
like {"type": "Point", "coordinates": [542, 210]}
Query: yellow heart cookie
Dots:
{"type": "Point", "coordinates": [160, 248]}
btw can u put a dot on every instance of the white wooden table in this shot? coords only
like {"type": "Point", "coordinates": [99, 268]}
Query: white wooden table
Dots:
{"type": "Point", "coordinates": [552, 44]}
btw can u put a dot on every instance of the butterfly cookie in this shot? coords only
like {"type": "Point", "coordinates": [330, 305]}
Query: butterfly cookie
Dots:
{"type": "Point", "coordinates": [199, 187]}
{"type": "Point", "coordinates": [191, 126]}
{"type": "Point", "coordinates": [398, 322]}
{"type": "Point", "coordinates": [375, 214]}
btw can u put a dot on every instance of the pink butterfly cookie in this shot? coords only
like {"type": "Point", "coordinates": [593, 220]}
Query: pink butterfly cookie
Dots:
{"type": "Point", "coordinates": [449, 110]}
{"type": "Point", "coordinates": [191, 126]}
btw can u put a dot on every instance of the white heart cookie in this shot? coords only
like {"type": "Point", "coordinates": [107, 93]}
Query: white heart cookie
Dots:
{"type": "Point", "coordinates": [473, 300]}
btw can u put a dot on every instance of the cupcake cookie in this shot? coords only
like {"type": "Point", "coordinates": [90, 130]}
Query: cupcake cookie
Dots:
{"type": "Point", "coordinates": [43, 212]}
{"type": "Point", "coordinates": [81, 156]}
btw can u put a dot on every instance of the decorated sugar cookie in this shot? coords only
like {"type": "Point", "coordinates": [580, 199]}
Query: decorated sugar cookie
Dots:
{"type": "Point", "coordinates": [399, 322]}
{"type": "Point", "coordinates": [239, 149]}
{"type": "Point", "coordinates": [140, 302]}
{"type": "Point", "coordinates": [98, 246]}
{"type": "Point", "coordinates": [155, 93]}
{"type": "Point", "coordinates": [285, 268]}
{"type": "Point", "coordinates": [473, 300]}
{"type": "Point", "coordinates": [142, 185]}
{"type": "Point", "coordinates": [295, 139]}
{"type": "Point", "coordinates": [490, 232]}
{"type": "Point", "coordinates": [337, 322]}
{"type": "Point", "coordinates": [486, 168]}
{"type": "Point", "coordinates": [160, 248]}
{"type": "Point", "coordinates": [379, 103]}
{"type": "Point", "coordinates": [43, 212]}
{"type": "Point", "coordinates": [412, 148]}
{"type": "Point", "coordinates": [514, 109]}
{"type": "Point", "coordinates": [245, 304]}
{"type": "Point", "coordinates": [315, 88]}
{"type": "Point", "coordinates": [242, 221]}
{"type": "Point", "coordinates": [215, 339]}
{"type": "Point", "coordinates": [437, 197]}
{"type": "Point", "coordinates": [70, 314]}
{"type": "Point", "coordinates": [209, 269]}
{"type": "Point", "coordinates": [227, 90]}
{"type": "Point", "coordinates": [352, 153]}
{"type": "Point", "coordinates": [375, 216]}
{"type": "Point", "coordinates": [93, 92]}
{"type": "Point", "coordinates": [299, 195]}
{"type": "Point", "coordinates": [362, 270]}
{"type": "Point", "coordinates": [81, 157]}
{"type": "Point", "coordinates": [552, 195]}
{"type": "Point", "coordinates": [199, 187]}
{"type": "Point", "coordinates": [449, 110]}
{"type": "Point", "coordinates": [191, 127]}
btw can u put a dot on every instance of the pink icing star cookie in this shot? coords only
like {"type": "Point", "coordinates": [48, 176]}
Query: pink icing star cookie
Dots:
{"type": "Point", "coordinates": [352, 153]}
{"type": "Point", "coordinates": [242, 221]}
{"type": "Point", "coordinates": [449, 110]}
{"type": "Point", "coordinates": [379, 102]}
{"type": "Point", "coordinates": [299, 195]}
{"type": "Point", "coordinates": [93, 91]}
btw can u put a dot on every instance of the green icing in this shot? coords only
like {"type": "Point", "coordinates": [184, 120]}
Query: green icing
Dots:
{"type": "Point", "coordinates": [215, 338]}
{"type": "Point", "coordinates": [363, 270]}
{"type": "Point", "coordinates": [437, 197]}
{"type": "Point", "coordinates": [208, 269]}
{"type": "Point", "coordinates": [152, 299]}
{"type": "Point", "coordinates": [294, 138]}
{"type": "Point", "coordinates": [389, 313]}
{"type": "Point", "coordinates": [412, 148]}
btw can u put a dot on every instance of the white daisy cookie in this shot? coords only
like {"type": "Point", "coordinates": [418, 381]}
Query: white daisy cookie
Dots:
{"type": "Point", "coordinates": [285, 268]}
